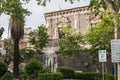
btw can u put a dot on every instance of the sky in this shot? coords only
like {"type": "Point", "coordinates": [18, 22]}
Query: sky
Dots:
{"type": "Point", "coordinates": [37, 16]}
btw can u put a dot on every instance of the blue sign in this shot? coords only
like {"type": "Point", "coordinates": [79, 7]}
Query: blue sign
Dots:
{"type": "Point", "coordinates": [44, 56]}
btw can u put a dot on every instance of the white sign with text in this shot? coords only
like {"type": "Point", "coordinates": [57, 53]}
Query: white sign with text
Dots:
{"type": "Point", "coordinates": [102, 56]}
{"type": "Point", "coordinates": [115, 50]}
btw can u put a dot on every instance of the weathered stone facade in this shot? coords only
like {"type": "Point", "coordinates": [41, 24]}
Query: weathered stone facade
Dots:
{"type": "Point", "coordinates": [24, 43]}
{"type": "Point", "coordinates": [78, 18]}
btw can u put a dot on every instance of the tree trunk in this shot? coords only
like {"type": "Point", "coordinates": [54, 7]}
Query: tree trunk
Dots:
{"type": "Point", "coordinates": [117, 36]}
{"type": "Point", "coordinates": [116, 27]}
{"type": "Point", "coordinates": [16, 58]}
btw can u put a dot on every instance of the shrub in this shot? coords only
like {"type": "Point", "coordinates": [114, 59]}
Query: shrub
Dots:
{"type": "Point", "coordinates": [8, 76]}
{"type": "Point", "coordinates": [23, 76]}
{"type": "Point", "coordinates": [32, 68]}
{"type": "Point", "coordinates": [108, 76]}
{"type": "Point", "coordinates": [46, 70]}
{"type": "Point", "coordinates": [67, 72]}
{"type": "Point", "coordinates": [50, 76]}
{"type": "Point", "coordinates": [92, 76]}
{"type": "Point", "coordinates": [3, 68]}
{"type": "Point", "coordinates": [86, 75]}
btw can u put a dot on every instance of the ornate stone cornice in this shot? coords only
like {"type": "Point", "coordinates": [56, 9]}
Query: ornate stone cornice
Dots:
{"type": "Point", "coordinates": [80, 10]}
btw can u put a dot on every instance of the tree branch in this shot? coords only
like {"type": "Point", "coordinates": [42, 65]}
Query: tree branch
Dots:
{"type": "Point", "coordinates": [110, 4]}
{"type": "Point", "coordinates": [113, 5]}
{"type": "Point", "coordinates": [116, 4]}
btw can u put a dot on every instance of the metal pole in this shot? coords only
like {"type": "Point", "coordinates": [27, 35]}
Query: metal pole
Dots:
{"type": "Point", "coordinates": [118, 70]}
{"type": "Point", "coordinates": [102, 70]}
{"type": "Point", "coordinates": [114, 71]}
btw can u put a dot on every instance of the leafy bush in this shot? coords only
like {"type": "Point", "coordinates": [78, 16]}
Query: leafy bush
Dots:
{"type": "Point", "coordinates": [108, 76]}
{"type": "Point", "coordinates": [3, 68]}
{"type": "Point", "coordinates": [92, 76]}
{"type": "Point", "coordinates": [50, 76]}
{"type": "Point", "coordinates": [46, 70]}
{"type": "Point", "coordinates": [67, 72]}
{"type": "Point", "coordinates": [86, 75]}
{"type": "Point", "coordinates": [32, 68]}
{"type": "Point", "coordinates": [23, 75]}
{"type": "Point", "coordinates": [7, 76]}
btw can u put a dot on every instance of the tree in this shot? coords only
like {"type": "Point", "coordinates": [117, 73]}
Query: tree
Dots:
{"type": "Point", "coordinates": [17, 31]}
{"type": "Point", "coordinates": [17, 14]}
{"type": "Point", "coordinates": [98, 38]}
{"type": "Point", "coordinates": [71, 43]}
{"type": "Point", "coordinates": [39, 38]}
{"type": "Point", "coordinates": [8, 43]}
{"type": "Point", "coordinates": [27, 54]}
{"type": "Point", "coordinates": [114, 7]}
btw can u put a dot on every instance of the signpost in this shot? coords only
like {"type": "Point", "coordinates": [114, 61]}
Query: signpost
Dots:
{"type": "Point", "coordinates": [115, 50]}
{"type": "Point", "coordinates": [102, 58]}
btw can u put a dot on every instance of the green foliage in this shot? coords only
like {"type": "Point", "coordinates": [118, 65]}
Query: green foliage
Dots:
{"type": "Point", "coordinates": [13, 6]}
{"type": "Point", "coordinates": [98, 38]}
{"type": "Point", "coordinates": [50, 76]}
{"type": "Point", "coordinates": [71, 1]}
{"type": "Point", "coordinates": [92, 76]}
{"type": "Point", "coordinates": [8, 43]}
{"type": "Point", "coordinates": [3, 68]}
{"type": "Point", "coordinates": [39, 38]}
{"type": "Point", "coordinates": [67, 72]}
{"type": "Point", "coordinates": [46, 70]}
{"type": "Point", "coordinates": [71, 44]}
{"type": "Point", "coordinates": [99, 8]}
{"type": "Point", "coordinates": [8, 76]}
{"type": "Point", "coordinates": [42, 2]}
{"type": "Point", "coordinates": [86, 75]}
{"type": "Point", "coordinates": [95, 6]}
{"type": "Point", "coordinates": [32, 68]}
{"type": "Point", "coordinates": [27, 54]}
{"type": "Point", "coordinates": [108, 76]}
{"type": "Point", "coordinates": [23, 75]}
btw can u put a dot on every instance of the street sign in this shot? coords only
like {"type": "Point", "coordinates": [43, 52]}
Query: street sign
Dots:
{"type": "Point", "coordinates": [102, 56]}
{"type": "Point", "coordinates": [115, 50]}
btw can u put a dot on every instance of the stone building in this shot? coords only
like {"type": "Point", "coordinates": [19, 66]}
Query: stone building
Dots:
{"type": "Point", "coordinates": [24, 43]}
{"type": "Point", "coordinates": [80, 19]}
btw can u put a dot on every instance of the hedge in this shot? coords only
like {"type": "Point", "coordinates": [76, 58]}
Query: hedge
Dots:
{"type": "Point", "coordinates": [92, 76]}
{"type": "Point", "coordinates": [67, 72]}
{"type": "Point", "coordinates": [50, 76]}
{"type": "Point", "coordinates": [8, 76]}
{"type": "Point", "coordinates": [3, 68]}
{"type": "Point", "coordinates": [86, 75]}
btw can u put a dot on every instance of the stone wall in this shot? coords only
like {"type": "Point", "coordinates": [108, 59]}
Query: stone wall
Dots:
{"type": "Point", "coordinates": [84, 63]}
